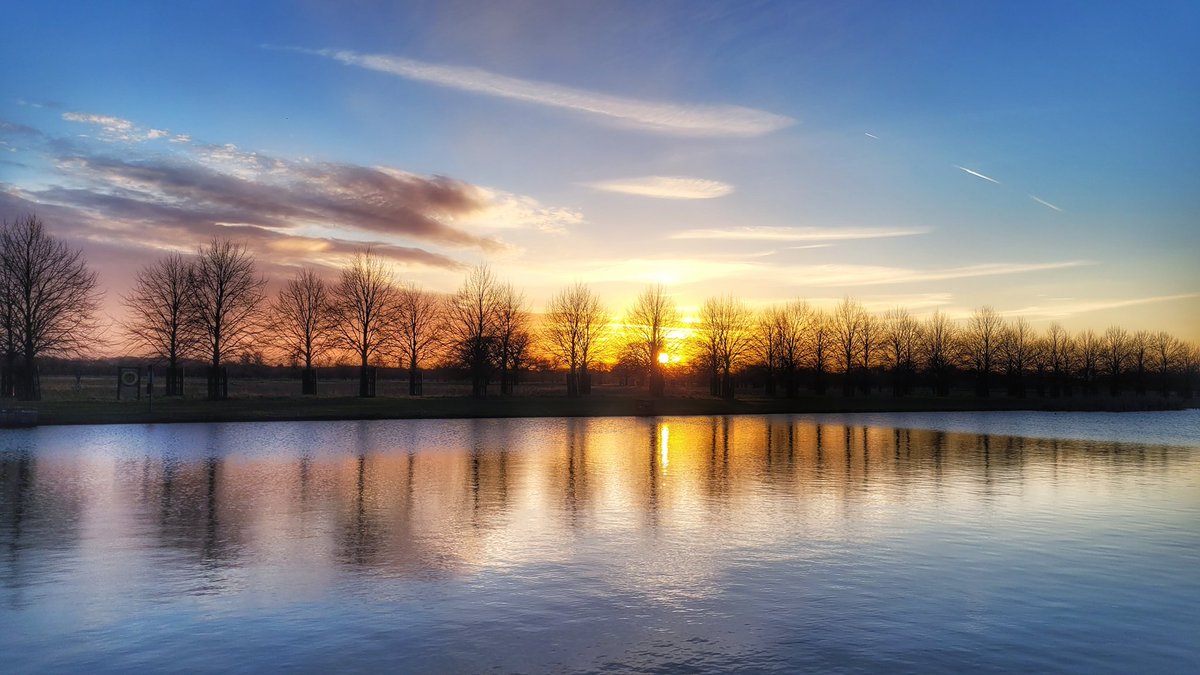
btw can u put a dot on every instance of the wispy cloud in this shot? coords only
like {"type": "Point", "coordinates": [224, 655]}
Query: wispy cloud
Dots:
{"type": "Point", "coordinates": [799, 233]}
{"type": "Point", "coordinates": [666, 187]}
{"type": "Point", "coordinates": [660, 116]}
{"type": "Point", "coordinates": [976, 174]}
{"type": "Point", "coordinates": [1068, 307]}
{"type": "Point", "coordinates": [1044, 203]}
{"type": "Point", "coordinates": [867, 275]}
{"type": "Point", "coordinates": [120, 129]}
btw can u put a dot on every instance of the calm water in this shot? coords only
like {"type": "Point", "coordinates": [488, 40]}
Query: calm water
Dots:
{"type": "Point", "coordinates": [1000, 541]}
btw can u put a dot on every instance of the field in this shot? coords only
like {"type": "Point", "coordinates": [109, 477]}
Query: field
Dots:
{"type": "Point", "coordinates": [92, 400]}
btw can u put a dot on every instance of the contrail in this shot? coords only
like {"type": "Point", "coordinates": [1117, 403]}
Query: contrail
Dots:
{"type": "Point", "coordinates": [871, 135]}
{"type": "Point", "coordinates": [976, 174]}
{"type": "Point", "coordinates": [1043, 202]}
{"type": "Point", "coordinates": [661, 116]}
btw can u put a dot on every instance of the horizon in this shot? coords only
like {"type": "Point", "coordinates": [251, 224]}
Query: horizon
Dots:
{"type": "Point", "coordinates": [920, 157]}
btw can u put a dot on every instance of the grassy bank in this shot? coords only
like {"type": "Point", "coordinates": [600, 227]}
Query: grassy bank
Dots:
{"type": "Point", "coordinates": [349, 408]}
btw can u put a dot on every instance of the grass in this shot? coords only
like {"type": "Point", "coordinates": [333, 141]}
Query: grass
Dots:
{"type": "Point", "coordinates": [93, 402]}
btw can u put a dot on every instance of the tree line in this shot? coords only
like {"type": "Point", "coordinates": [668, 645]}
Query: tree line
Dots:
{"type": "Point", "coordinates": [212, 306]}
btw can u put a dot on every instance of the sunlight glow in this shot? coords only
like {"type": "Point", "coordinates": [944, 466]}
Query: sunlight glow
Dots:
{"type": "Point", "coordinates": [665, 438]}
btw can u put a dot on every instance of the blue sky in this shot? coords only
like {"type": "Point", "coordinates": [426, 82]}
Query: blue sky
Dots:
{"type": "Point", "coordinates": [773, 150]}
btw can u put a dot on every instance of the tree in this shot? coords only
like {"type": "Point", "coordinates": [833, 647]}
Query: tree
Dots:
{"type": "Point", "coordinates": [418, 315]}
{"type": "Point", "coordinates": [648, 324]}
{"type": "Point", "coordinates": [726, 337]}
{"type": "Point", "coordinates": [157, 322]}
{"type": "Point", "coordinates": [51, 301]}
{"type": "Point", "coordinates": [512, 334]}
{"type": "Point", "coordinates": [980, 341]}
{"type": "Point", "coordinates": [901, 336]}
{"type": "Point", "coordinates": [1166, 352]}
{"type": "Point", "coordinates": [848, 319]}
{"type": "Point", "coordinates": [226, 293]}
{"type": "Point", "coordinates": [1058, 353]}
{"type": "Point", "coordinates": [574, 326]}
{"type": "Point", "coordinates": [365, 314]}
{"type": "Point", "coordinates": [1016, 350]}
{"type": "Point", "coordinates": [1140, 346]}
{"type": "Point", "coordinates": [792, 325]}
{"type": "Point", "coordinates": [1088, 349]}
{"type": "Point", "coordinates": [939, 344]}
{"type": "Point", "coordinates": [869, 342]}
{"type": "Point", "coordinates": [821, 347]}
{"type": "Point", "coordinates": [472, 318]}
{"type": "Point", "coordinates": [302, 319]}
{"type": "Point", "coordinates": [1114, 355]}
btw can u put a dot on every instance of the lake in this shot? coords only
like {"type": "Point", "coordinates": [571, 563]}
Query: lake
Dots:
{"type": "Point", "coordinates": [877, 542]}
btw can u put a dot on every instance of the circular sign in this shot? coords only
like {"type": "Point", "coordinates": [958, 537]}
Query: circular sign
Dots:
{"type": "Point", "coordinates": [129, 378]}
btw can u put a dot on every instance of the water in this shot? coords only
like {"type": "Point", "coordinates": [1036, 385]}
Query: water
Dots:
{"type": "Point", "coordinates": [923, 543]}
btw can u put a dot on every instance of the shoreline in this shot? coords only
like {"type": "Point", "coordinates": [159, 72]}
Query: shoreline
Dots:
{"type": "Point", "coordinates": [293, 409]}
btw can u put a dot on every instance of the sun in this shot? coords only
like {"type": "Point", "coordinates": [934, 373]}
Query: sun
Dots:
{"type": "Point", "coordinates": [664, 357]}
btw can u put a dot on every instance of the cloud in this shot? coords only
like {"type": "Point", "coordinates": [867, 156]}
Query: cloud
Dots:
{"type": "Point", "coordinates": [870, 275]}
{"type": "Point", "coordinates": [976, 174]}
{"type": "Point", "coordinates": [1067, 307]}
{"type": "Point", "coordinates": [799, 233]}
{"type": "Point", "coordinates": [659, 116]}
{"type": "Point", "coordinates": [1044, 203]}
{"type": "Point", "coordinates": [116, 128]}
{"type": "Point", "coordinates": [666, 187]}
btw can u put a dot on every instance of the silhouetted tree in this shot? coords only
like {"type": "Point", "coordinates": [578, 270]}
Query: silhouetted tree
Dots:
{"type": "Point", "coordinates": [848, 319]}
{"type": "Point", "coordinates": [1166, 353]}
{"type": "Point", "coordinates": [648, 324]}
{"type": "Point", "coordinates": [980, 341]}
{"type": "Point", "coordinates": [302, 321]}
{"type": "Point", "coordinates": [939, 344]}
{"type": "Point", "coordinates": [793, 326]}
{"type": "Point", "coordinates": [725, 333]}
{"type": "Point", "coordinates": [1058, 353]}
{"type": "Point", "coordinates": [821, 346]}
{"type": "Point", "coordinates": [1016, 347]}
{"type": "Point", "coordinates": [51, 299]}
{"type": "Point", "coordinates": [364, 302]}
{"type": "Point", "coordinates": [1140, 346]}
{"type": "Point", "coordinates": [225, 297]}
{"type": "Point", "coordinates": [574, 326]}
{"type": "Point", "coordinates": [1114, 354]}
{"type": "Point", "coordinates": [512, 334]}
{"type": "Point", "coordinates": [472, 323]}
{"type": "Point", "coordinates": [1088, 349]}
{"type": "Point", "coordinates": [869, 343]}
{"type": "Point", "coordinates": [157, 321]}
{"type": "Point", "coordinates": [418, 315]}
{"type": "Point", "coordinates": [901, 336]}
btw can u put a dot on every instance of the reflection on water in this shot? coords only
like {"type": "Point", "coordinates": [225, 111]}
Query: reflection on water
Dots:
{"type": "Point", "coordinates": [675, 543]}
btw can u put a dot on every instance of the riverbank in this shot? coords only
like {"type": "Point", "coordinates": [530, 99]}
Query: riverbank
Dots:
{"type": "Point", "coordinates": [166, 410]}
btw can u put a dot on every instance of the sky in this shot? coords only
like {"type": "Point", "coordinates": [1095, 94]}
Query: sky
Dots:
{"type": "Point", "coordinates": [1041, 158]}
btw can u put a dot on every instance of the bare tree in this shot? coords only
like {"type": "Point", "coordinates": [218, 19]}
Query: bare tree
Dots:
{"type": "Point", "coordinates": [1114, 355]}
{"type": "Point", "coordinates": [10, 334]}
{"type": "Point", "coordinates": [793, 326]}
{"type": "Point", "coordinates": [364, 303]}
{"type": "Point", "coordinates": [848, 319]}
{"type": "Point", "coordinates": [1166, 353]}
{"type": "Point", "coordinates": [157, 322]}
{"type": "Point", "coordinates": [901, 337]}
{"type": "Point", "coordinates": [1016, 348]}
{"type": "Point", "coordinates": [51, 299]}
{"type": "Point", "coordinates": [472, 318]}
{"type": "Point", "coordinates": [648, 325]}
{"type": "Point", "coordinates": [767, 347]}
{"type": "Point", "coordinates": [726, 336]}
{"type": "Point", "coordinates": [418, 315]}
{"type": "Point", "coordinates": [980, 342]}
{"type": "Point", "coordinates": [302, 322]}
{"type": "Point", "coordinates": [1088, 349]}
{"type": "Point", "coordinates": [574, 327]}
{"type": "Point", "coordinates": [939, 345]}
{"type": "Point", "coordinates": [820, 349]}
{"type": "Point", "coordinates": [226, 293]}
{"type": "Point", "coordinates": [1141, 345]}
{"type": "Point", "coordinates": [1058, 353]}
{"type": "Point", "coordinates": [512, 334]}
{"type": "Point", "coordinates": [869, 342]}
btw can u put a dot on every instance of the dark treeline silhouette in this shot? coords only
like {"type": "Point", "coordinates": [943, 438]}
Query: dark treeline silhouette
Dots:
{"type": "Point", "coordinates": [210, 310]}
